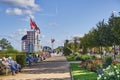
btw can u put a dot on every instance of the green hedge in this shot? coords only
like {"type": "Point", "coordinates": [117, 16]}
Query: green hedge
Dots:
{"type": "Point", "coordinates": [7, 55]}
{"type": "Point", "coordinates": [21, 59]}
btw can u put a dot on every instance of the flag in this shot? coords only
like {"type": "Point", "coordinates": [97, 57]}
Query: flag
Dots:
{"type": "Point", "coordinates": [52, 40]}
{"type": "Point", "coordinates": [34, 26]}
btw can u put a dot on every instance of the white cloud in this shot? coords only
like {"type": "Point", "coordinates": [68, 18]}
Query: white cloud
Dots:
{"type": "Point", "coordinates": [23, 3]}
{"type": "Point", "coordinates": [18, 11]}
{"type": "Point", "coordinates": [28, 12]}
{"type": "Point", "coordinates": [22, 7]}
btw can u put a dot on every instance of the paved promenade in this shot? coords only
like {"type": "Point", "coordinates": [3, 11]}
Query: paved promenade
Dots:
{"type": "Point", "coordinates": [53, 68]}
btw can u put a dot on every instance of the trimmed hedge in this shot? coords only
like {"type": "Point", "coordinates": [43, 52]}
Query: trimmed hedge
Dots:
{"type": "Point", "coordinates": [7, 55]}
{"type": "Point", "coordinates": [21, 59]}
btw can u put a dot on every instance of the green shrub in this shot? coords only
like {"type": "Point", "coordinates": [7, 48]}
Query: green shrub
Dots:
{"type": "Point", "coordinates": [75, 54]}
{"type": "Point", "coordinates": [93, 57]}
{"type": "Point", "coordinates": [11, 55]}
{"type": "Point", "coordinates": [78, 58]}
{"type": "Point", "coordinates": [85, 57]}
{"type": "Point", "coordinates": [107, 61]}
{"type": "Point", "coordinates": [9, 51]}
{"type": "Point", "coordinates": [7, 55]}
{"type": "Point", "coordinates": [70, 58]}
{"type": "Point", "coordinates": [67, 51]}
{"type": "Point", "coordinates": [21, 59]}
{"type": "Point", "coordinates": [12, 51]}
{"type": "Point", "coordinates": [118, 56]}
{"type": "Point", "coordinates": [2, 55]}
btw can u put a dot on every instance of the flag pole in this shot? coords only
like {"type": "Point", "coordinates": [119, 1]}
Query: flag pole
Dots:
{"type": "Point", "coordinates": [51, 43]}
{"type": "Point", "coordinates": [52, 46]}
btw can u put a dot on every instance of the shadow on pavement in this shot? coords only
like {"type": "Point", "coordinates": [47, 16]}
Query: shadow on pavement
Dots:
{"type": "Point", "coordinates": [47, 67]}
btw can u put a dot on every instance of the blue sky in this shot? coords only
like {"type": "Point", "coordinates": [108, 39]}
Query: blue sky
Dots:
{"type": "Point", "coordinates": [59, 19]}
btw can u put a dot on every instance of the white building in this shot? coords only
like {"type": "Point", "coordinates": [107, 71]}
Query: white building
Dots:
{"type": "Point", "coordinates": [30, 42]}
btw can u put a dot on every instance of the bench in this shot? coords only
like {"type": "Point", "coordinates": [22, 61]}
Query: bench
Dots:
{"type": "Point", "coordinates": [3, 68]}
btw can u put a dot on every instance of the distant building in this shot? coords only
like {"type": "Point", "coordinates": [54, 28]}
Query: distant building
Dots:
{"type": "Point", "coordinates": [47, 49]}
{"type": "Point", "coordinates": [30, 42]}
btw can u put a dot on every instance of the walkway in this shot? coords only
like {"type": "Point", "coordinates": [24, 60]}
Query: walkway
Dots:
{"type": "Point", "coordinates": [54, 68]}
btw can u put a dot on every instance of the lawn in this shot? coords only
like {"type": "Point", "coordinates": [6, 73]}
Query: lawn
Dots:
{"type": "Point", "coordinates": [82, 74]}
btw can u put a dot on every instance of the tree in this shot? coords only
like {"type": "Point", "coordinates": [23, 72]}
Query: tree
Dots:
{"type": "Point", "coordinates": [76, 44]}
{"type": "Point", "coordinates": [71, 45]}
{"type": "Point", "coordinates": [104, 35]}
{"type": "Point", "coordinates": [60, 48]}
{"type": "Point", "coordinates": [5, 44]}
{"type": "Point", "coordinates": [101, 33]}
{"type": "Point", "coordinates": [114, 24]}
{"type": "Point", "coordinates": [67, 51]}
{"type": "Point", "coordinates": [84, 43]}
{"type": "Point", "coordinates": [66, 43]}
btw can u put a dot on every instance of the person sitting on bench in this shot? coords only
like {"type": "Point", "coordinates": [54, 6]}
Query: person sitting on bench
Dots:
{"type": "Point", "coordinates": [7, 65]}
{"type": "Point", "coordinates": [14, 64]}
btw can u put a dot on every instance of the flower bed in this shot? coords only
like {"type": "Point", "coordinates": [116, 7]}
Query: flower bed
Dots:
{"type": "Point", "coordinates": [91, 65]}
{"type": "Point", "coordinates": [112, 72]}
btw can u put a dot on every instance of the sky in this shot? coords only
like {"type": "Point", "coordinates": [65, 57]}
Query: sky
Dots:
{"type": "Point", "coordinates": [58, 19]}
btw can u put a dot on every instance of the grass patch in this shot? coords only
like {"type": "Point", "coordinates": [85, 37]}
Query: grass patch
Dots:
{"type": "Point", "coordinates": [82, 74]}
{"type": "Point", "coordinates": [70, 58]}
